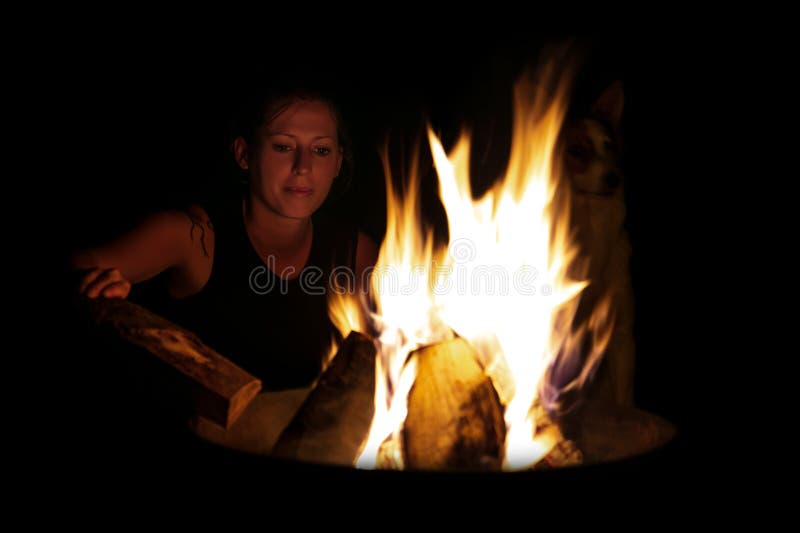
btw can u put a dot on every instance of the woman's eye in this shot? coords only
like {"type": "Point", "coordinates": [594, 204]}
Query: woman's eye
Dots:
{"type": "Point", "coordinates": [322, 150]}
{"type": "Point", "coordinates": [281, 147]}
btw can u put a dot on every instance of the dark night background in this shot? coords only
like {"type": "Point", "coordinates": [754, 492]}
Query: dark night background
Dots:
{"type": "Point", "coordinates": [143, 117]}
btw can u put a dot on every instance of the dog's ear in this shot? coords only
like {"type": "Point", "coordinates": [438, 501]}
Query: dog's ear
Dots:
{"type": "Point", "coordinates": [609, 105]}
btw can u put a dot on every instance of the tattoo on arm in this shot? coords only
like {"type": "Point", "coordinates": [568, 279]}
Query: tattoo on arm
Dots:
{"type": "Point", "coordinates": [197, 223]}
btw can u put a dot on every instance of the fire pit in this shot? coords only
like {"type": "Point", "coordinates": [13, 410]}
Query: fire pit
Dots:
{"type": "Point", "coordinates": [460, 369]}
{"type": "Point", "coordinates": [454, 420]}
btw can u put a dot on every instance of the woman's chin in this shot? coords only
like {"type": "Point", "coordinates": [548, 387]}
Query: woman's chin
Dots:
{"type": "Point", "coordinates": [299, 211]}
{"type": "Point", "coordinates": [294, 206]}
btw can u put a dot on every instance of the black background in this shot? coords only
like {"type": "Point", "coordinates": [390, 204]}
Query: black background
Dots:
{"type": "Point", "coordinates": [137, 119]}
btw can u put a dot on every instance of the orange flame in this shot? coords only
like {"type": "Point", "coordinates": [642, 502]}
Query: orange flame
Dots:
{"type": "Point", "coordinates": [404, 316]}
{"type": "Point", "coordinates": [521, 229]}
{"type": "Point", "coordinates": [502, 282]}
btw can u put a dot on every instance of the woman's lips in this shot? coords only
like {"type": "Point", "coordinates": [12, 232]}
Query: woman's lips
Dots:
{"type": "Point", "coordinates": [299, 191]}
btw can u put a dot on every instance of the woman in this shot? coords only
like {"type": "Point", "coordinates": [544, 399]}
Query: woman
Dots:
{"type": "Point", "coordinates": [248, 274]}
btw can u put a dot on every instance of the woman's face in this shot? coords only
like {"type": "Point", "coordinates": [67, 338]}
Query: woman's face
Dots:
{"type": "Point", "coordinates": [294, 159]}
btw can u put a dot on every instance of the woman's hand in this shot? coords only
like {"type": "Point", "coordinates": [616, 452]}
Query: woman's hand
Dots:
{"type": "Point", "coordinates": [104, 282]}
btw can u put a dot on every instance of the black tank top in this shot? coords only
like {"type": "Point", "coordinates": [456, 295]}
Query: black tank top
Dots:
{"type": "Point", "coordinates": [278, 330]}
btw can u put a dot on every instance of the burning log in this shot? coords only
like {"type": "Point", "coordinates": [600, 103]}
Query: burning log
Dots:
{"type": "Point", "coordinates": [334, 421]}
{"type": "Point", "coordinates": [564, 452]}
{"type": "Point", "coordinates": [606, 432]}
{"type": "Point", "coordinates": [455, 420]}
{"type": "Point", "coordinates": [221, 390]}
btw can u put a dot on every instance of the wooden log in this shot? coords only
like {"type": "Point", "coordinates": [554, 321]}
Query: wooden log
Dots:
{"type": "Point", "coordinates": [606, 432]}
{"type": "Point", "coordinates": [564, 452]}
{"type": "Point", "coordinates": [221, 390]}
{"type": "Point", "coordinates": [334, 421]}
{"type": "Point", "coordinates": [455, 420]}
{"type": "Point", "coordinates": [259, 427]}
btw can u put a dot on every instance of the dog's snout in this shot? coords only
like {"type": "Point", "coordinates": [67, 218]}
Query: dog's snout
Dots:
{"type": "Point", "coordinates": [612, 180]}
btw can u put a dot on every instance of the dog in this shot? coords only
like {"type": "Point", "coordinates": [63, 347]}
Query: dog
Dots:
{"type": "Point", "coordinates": [592, 156]}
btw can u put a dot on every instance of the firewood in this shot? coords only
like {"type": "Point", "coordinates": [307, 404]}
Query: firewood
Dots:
{"type": "Point", "coordinates": [221, 390]}
{"type": "Point", "coordinates": [564, 451]}
{"type": "Point", "coordinates": [260, 425]}
{"type": "Point", "coordinates": [455, 420]}
{"type": "Point", "coordinates": [605, 432]}
{"type": "Point", "coordinates": [390, 455]}
{"type": "Point", "coordinates": [334, 421]}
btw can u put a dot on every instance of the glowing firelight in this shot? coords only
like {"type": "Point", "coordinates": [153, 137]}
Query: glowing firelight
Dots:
{"type": "Point", "coordinates": [501, 283]}
{"type": "Point", "coordinates": [405, 318]}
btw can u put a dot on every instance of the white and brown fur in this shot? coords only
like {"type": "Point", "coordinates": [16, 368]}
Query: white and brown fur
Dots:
{"type": "Point", "coordinates": [592, 158]}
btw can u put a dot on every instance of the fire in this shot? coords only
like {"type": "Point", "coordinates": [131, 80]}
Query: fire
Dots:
{"type": "Point", "coordinates": [344, 309]}
{"type": "Point", "coordinates": [501, 283]}
{"type": "Point", "coordinates": [520, 229]}
{"type": "Point", "coordinates": [404, 317]}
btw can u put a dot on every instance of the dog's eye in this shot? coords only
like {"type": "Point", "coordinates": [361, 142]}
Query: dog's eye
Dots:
{"type": "Point", "coordinates": [578, 152]}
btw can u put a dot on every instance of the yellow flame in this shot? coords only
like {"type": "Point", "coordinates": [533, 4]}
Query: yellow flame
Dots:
{"type": "Point", "coordinates": [346, 313]}
{"type": "Point", "coordinates": [502, 282]}
{"type": "Point", "coordinates": [405, 316]}
{"type": "Point", "coordinates": [517, 234]}
{"type": "Point", "coordinates": [387, 423]}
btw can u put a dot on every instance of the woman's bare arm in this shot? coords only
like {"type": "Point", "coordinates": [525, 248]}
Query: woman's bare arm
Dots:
{"type": "Point", "coordinates": [179, 241]}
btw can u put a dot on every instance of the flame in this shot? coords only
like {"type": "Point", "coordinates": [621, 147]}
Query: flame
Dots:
{"type": "Point", "coordinates": [502, 283]}
{"type": "Point", "coordinates": [519, 230]}
{"type": "Point", "coordinates": [345, 310]}
{"type": "Point", "coordinates": [404, 316]}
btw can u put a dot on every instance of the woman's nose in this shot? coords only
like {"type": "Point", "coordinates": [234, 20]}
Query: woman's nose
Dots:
{"type": "Point", "coordinates": [302, 162]}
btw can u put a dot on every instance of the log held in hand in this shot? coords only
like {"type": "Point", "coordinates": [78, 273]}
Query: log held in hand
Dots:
{"type": "Point", "coordinates": [221, 389]}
